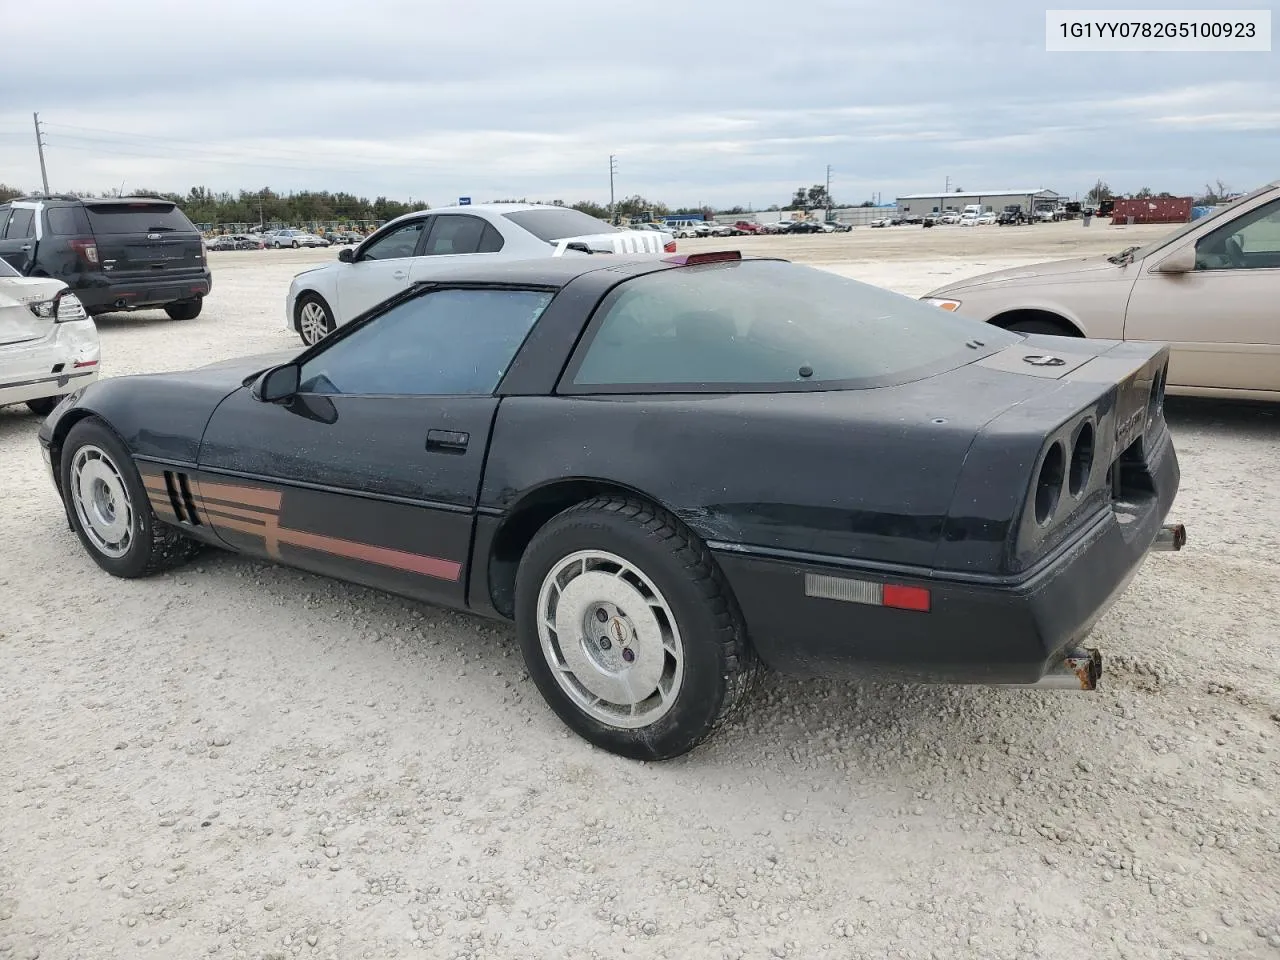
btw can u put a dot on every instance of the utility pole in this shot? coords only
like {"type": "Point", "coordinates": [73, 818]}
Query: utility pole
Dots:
{"type": "Point", "coordinates": [44, 176]}
{"type": "Point", "coordinates": [828, 191]}
{"type": "Point", "coordinates": [613, 168]}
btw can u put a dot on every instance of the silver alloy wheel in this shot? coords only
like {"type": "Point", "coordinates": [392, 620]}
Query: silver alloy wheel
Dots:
{"type": "Point", "coordinates": [312, 322]}
{"type": "Point", "coordinates": [101, 501]}
{"type": "Point", "coordinates": [610, 639]}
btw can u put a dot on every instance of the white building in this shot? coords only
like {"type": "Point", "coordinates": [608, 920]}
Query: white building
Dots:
{"type": "Point", "coordinates": [922, 204]}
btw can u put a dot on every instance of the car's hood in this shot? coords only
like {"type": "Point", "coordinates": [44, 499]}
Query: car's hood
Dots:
{"type": "Point", "coordinates": [1031, 274]}
{"type": "Point", "coordinates": [235, 370]}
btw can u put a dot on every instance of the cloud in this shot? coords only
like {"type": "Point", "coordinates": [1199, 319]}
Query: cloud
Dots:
{"type": "Point", "coordinates": [715, 101]}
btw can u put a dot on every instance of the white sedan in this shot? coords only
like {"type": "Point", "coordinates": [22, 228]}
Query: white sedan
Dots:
{"type": "Point", "coordinates": [48, 343]}
{"type": "Point", "coordinates": [428, 244]}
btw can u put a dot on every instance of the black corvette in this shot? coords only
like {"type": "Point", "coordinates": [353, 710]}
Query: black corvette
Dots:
{"type": "Point", "coordinates": [667, 472]}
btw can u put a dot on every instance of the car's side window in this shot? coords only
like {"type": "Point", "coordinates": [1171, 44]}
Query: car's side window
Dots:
{"type": "Point", "coordinates": [399, 243]}
{"type": "Point", "coordinates": [443, 343]}
{"type": "Point", "coordinates": [20, 224]}
{"type": "Point", "coordinates": [1252, 241]}
{"type": "Point", "coordinates": [454, 233]}
{"type": "Point", "coordinates": [5, 211]}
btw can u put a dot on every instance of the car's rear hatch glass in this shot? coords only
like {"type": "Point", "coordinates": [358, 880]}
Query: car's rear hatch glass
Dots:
{"type": "Point", "coordinates": [145, 238]}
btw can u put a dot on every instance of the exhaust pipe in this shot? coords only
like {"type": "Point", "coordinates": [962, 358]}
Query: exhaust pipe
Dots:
{"type": "Point", "coordinates": [1077, 670]}
{"type": "Point", "coordinates": [1172, 536]}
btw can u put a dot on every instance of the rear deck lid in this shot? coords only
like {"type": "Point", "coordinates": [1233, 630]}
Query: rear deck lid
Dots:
{"type": "Point", "coordinates": [145, 238]}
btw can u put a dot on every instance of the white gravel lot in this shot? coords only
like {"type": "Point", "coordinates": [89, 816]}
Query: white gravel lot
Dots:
{"type": "Point", "coordinates": [238, 760]}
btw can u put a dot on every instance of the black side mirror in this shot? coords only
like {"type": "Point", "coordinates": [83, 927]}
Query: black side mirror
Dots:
{"type": "Point", "coordinates": [277, 384]}
{"type": "Point", "coordinates": [346, 255]}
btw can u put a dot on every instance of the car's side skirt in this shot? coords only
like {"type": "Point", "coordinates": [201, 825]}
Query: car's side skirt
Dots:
{"type": "Point", "coordinates": [192, 503]}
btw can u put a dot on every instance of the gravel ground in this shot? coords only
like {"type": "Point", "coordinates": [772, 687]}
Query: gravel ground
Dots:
{"type": "Point", "coordinates": [238, 760]}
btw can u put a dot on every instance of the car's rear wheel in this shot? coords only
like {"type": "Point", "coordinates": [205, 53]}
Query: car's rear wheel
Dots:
{"type": "Point", "coordinates": [315, 319]}
{"type": "Point", "coordinates": [629, 630]}
{"type": "Point", "coordinates": [43, 406]}
{"type": "Point", "coordinates": [109, 509]}
{"type": "Point", "coordinates": [185, 309]}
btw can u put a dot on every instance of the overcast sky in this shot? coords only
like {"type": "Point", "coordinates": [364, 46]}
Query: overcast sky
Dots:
{"type": "Point", "coordinates": [702, 101]}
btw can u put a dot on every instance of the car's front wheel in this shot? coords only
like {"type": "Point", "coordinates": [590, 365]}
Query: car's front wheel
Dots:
{"type": "Point", "coordinates": [109, 509]}
{"type": "Point", "coordinates": [185, 309]}
{"type": "Point", "coordinates": [315, 319]}
{"type": "Point", "coordinates": [629, 630]}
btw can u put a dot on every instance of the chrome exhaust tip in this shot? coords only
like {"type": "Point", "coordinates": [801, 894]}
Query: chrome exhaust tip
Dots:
{"type": "Point", "coordinates": [1077, 670]}
{"type": "Point", "coordinates": [1172, 536]}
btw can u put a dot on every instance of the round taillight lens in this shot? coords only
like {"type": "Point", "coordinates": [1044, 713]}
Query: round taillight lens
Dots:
{"type": "Point", "coordinates": [1049, 482]}
{"type": "Point", "coordinates": [1081, 460]}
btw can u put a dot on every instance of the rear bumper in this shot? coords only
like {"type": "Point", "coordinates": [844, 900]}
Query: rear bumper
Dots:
{"type": "Point", "coordinates": [979, 629]}
{"type": "Point", "coordinates": [64, 361]}
{"type": "Point", "coordinates": [101, 292]}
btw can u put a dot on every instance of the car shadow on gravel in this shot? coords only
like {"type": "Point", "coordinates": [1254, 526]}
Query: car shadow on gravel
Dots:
{"type": "Point", "coordinates": [1254, 419]}
{"type": "Point", "coordinates": [18, 420]}
{"type": "Point", "coordinates": [141, 318]}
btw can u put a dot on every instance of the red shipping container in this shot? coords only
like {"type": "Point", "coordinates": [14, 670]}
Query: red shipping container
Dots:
{"type": "Point", "coordinates": [1153, 210]}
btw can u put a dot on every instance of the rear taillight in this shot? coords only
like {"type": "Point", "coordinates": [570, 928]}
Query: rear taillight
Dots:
{"type": "Point", "coordinates": [899, 596]}
{"type": "Point", "coordinates": [87, 249]}
{"type": "Point", "coordinates": [670, 247]}
{"type": "Point", "coordinates": [1049, 482]}
{"type": "Point", "coordinates": [65, 307]}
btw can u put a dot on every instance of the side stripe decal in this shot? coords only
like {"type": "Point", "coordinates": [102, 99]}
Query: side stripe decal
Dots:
{"type": "Point", "coordinates": [256, 511]}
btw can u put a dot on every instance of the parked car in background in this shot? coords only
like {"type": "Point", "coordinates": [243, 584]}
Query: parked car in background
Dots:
{"type": "Point", "coordinates": [748, 227]}
{"type": "Point", "coordinates": [421, 246]}
{"type": "Point", "coordinates": [880, 222]}
{"type": "Point", "coordinates": [1210, 289]}
{"type": "Point", "coordinates": [48, 343]}
{"type": "Point", "coordinates": [950, 217]}
{"type": "Point", "coordinates": [130, 253]}
{"type": "Point", "coordinates": [295, 239]}
{"type": "Point", "coordinates": [838, 226]}
{"type": "Point", "coordinates": [224, 242]}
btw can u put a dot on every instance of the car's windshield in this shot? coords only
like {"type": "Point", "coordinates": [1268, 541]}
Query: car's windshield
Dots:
{"type": "Point", "coordinates": [772, 325]}
{"type": "Point", "coordinates": [1141, 252]}
{"type": "Point", "coordinates": [558, 223]}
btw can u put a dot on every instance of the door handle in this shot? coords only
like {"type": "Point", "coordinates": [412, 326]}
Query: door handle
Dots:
{"type": "Point", "coordinates": [400, 275]}
{"type": "Point", "coordinates": [448, 441]}
{"type": "Point", "coordinates": [25, 246]}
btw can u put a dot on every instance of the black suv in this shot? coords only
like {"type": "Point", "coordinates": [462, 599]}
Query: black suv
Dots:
{"type": "Point", "coordinates": [131, 253]}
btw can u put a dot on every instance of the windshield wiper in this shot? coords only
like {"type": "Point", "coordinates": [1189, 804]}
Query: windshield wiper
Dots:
{"type": "Point", "coordinates": [1124, 256]}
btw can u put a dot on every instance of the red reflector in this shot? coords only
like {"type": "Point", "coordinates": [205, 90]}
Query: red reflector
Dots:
{"type": "Point", "coordinates": [670, 247]}
{"type": "Point", "coordinates": [86, 363]}
{"type": "Point", "coordinates": [689, 259]}
{"type": "Point", "coordinates": [906, 598]}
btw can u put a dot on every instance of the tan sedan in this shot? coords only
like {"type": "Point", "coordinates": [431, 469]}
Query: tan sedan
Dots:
{"type": "Point", "coordinates": [1210, 289]}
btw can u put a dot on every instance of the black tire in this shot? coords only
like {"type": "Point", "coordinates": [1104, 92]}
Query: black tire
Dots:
{"type": "Point", "coordinates": [43, 406]}
{"type": "Point", "coordinates": [1043, 325]}
{"type": "Point", "coordinates": [328, 321]}
{"type": "Point", "coordinates": [719, 666]}
{"type": "Point", "coordinates": [184, 309]}
{"type": "Point", "coordinates": [154, 546]}
{"type": "Point", "coordinates": [295, 244]}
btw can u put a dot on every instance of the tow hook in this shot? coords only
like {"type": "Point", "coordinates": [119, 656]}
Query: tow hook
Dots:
{"type": "Point", "coordinates": [1172, 536]}
{"type": "Point", "coordinates": [1077, 670]}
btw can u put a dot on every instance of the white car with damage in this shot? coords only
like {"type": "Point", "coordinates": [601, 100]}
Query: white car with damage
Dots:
{"type": "Point", "coordinates": [48, 342]}
{"type": "Point", "coordinates": [426, 245]}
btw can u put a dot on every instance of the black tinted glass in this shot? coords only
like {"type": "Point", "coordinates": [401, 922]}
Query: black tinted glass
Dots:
{"type": "Point", "coordinates": [447, 343]}
{"type": "Point", "coordinates": [20, 222]}
{"type": "Point", "coordinates": [6, 270]}
{"type": "Point", "coordinates": [452, 234]}
{"type": "Point", "coordinates": [67, 221]}
{"type": "Point", "coordinates": [774, 325]}
{"type": "Point", "coordinates": [138, 218]}
{"type": "Point", "coordinates": [557, 224]}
